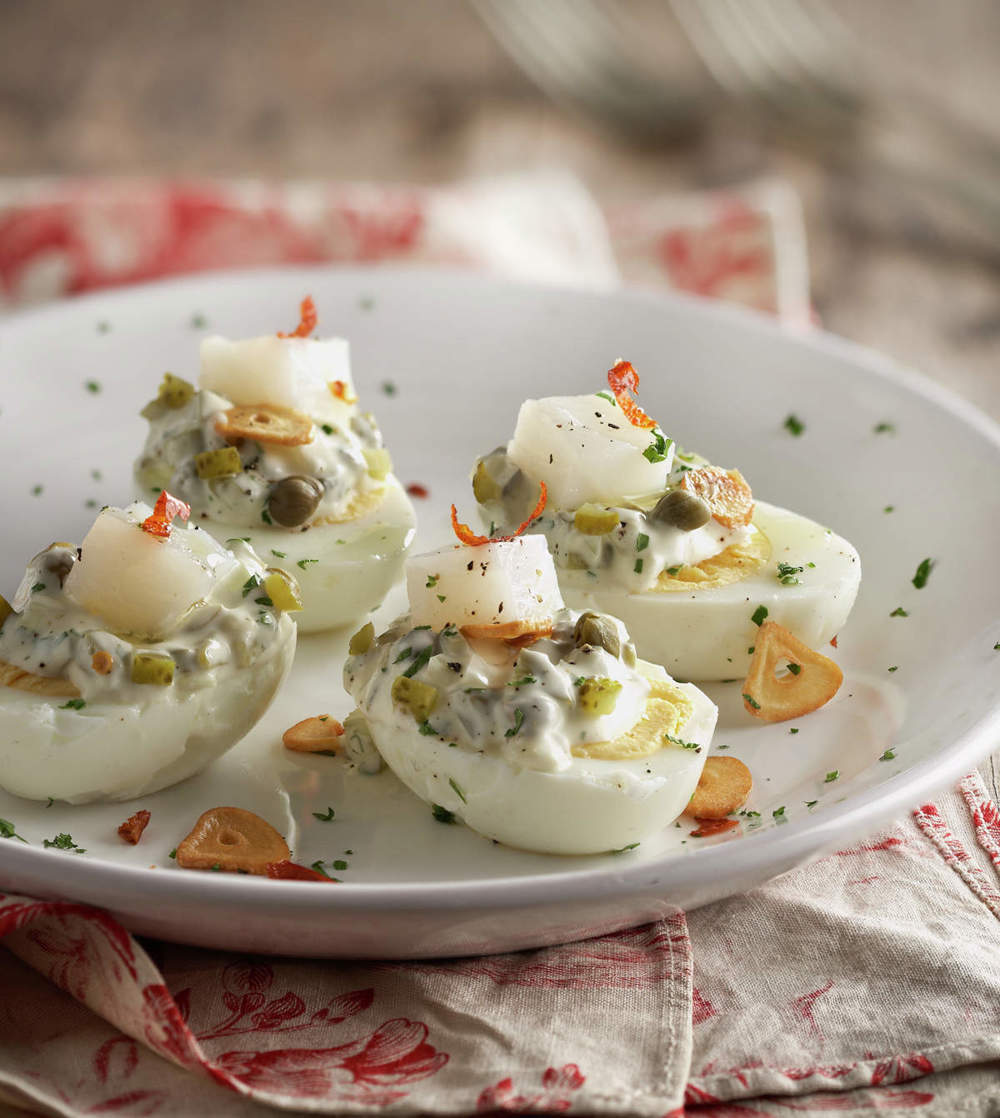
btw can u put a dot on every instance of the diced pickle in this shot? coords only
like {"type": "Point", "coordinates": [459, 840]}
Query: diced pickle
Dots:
{"type": "Point", "coordinates": [149, 667]}
{"type": "Point", "coordinates": [362, 640]}
{"type": "Point", "coordinates": [597, 630]}
{"type": "Point", "coordinates": [598, 695]}
{"type": "Point", "coordinates": [629, 655]}
{"type": "Point", "coordinates": [379, 463]}
{"type": "Point", "coordinates": [573, 562]}
{"type": "Point", "coordinates": [175, 391]}
{"type": "Point", "coordinates": [283, 591]}
{"type": "Point", "coordinates": [218, 463]}
{"type": "Point", "coordinates": [484, 486]}
{"type": "Point", "coordinates": [6, 609]}
{"type": "Point", "coordinates": [595, 520]}
{"type": "Point", "coordinates": [680, 509]}
{"type": "Point", "coordinates": [419, 698]}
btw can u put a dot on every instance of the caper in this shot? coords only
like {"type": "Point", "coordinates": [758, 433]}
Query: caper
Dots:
{"type": "Point", "coordinates": [293, 500]}
{"type": "Point", "coordinates": [419, 698]}
{"type": "Point", "coordinates": [59, 561]}
{"type": "Point", "coordinates": [681, 509]}
{"type": "Point", "coordinates": [599, 631]}
{"type": "Point", "coordinates": [599, 695]}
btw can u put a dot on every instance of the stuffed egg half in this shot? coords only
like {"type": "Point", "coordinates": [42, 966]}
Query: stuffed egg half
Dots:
{"type": "Point", "coordinates": [135, 661]}
{"type": "Point", "coordinates": [534, 724]}
{"type": "Point", "coordinates": [674, 546]}
{"type": "Point", "coordinates": [273, 449]}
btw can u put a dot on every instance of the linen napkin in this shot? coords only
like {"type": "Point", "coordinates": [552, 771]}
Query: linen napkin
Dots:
{"type": "Point", "coordinates": [869, 980]}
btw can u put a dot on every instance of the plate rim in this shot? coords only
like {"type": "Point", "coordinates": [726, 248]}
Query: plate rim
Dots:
{"type": "Point", "coordinates": [793, 842]}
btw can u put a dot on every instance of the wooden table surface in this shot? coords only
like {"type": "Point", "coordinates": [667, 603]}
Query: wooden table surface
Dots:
{"type": "Point", "coordinates": [419, 90]}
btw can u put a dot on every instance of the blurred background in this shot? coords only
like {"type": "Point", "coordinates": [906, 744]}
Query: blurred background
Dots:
{"type": "Point", "coordinates": [879, 114]}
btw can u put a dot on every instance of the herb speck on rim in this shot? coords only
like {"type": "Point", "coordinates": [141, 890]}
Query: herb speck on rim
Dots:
{"type": "Point", "coordinates": [899, 612]}
{"type": "Point", "coordinates": [759, 615]}
{"type": "Point", "coordinates": [884, 428]}
{"type": "Point", "coordinates": [794, 425]}
{"type": "Point", "coordinates": [793, 729]}
{"type": "Point", "coordinates": [831, 776]}
{"type": "Point", "coordinates": [457, 790]}
{"type": "Point", "coordinates": [63, 842]}
{"type": "Point", "coordinates": [811, 803]}
{"type": "Point", "coordinates": [778, 813]}
{"type": "Point", "coordinates": [388, 388]}
{"type": "Point", "coordinates": [104, 327]}
{"type": "Point", "coordinates": [924, 569]}
{"type": "Point", "coordinates": [324, 817]}
{"type": "Point", "coordinates": [888, 755]}
{"type": "Point", "coordinates": [367, 302]}
{"type": "Point", "coordinates": [889, 508]}
{"type": "Point", "coordinates": [442, 814]}
{"type": "Point", "coordinates": [92, 386]}
{"type": "Point", "coordinates": [894, 668]}
{"type": "Point", "coordinates": [518, 723]}
{"type": "Point", "coordinates": [624, 849]}
{"type": "Point", "coordinates": [74, 704]}
{"type": "Point", "coordinates": [303, 563]}
{"type": "Point", "coordinates": [8, 830]}
{"type": "Point", "coordinates": [37, 490]}
{"type": "Point", "coordinates": [198, 321]}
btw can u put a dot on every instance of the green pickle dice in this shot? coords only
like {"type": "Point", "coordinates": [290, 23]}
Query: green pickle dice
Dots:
{"type": "Point", "coordinates": [419, 698]}
{"type": "Point", "coordinates": [598, 695]}
{"type": "Point", "coordinates": [595, 520]}
{"type": "Point", "coordinates": [484, 487]}
{"type": "Point", "coordinates": [283, 591]}
{"type": "Point", "coordinates": [379, 463]}
{"type": "Point", "coordinates": [150, 667]}
{"type": "Point", "coordinates": [362, 640]}
{"type": "Point", "coordinates": [224, 462]}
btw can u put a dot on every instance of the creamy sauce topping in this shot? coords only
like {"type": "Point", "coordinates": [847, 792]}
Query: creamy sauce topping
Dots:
{"type": "Point", "coordinates": [335, 457]}
{"type": "Point", "coordinates": [526, 705]}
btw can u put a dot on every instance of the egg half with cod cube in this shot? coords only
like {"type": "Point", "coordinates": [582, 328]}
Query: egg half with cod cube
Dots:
{"type": "Point", "coordinates": [272, 449]}
{"type": "Point", "coordinates": [135, 661]}
{"type": "Point", "coordinates": [534, 724]}
{"type": "Point", "coordinates": [674, 546]}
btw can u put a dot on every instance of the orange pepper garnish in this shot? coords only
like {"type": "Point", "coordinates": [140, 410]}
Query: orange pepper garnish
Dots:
{"type": "Point", "coordinates": [467, 536]}
{"type": "Point", "coordinates": [623, 381]}
{"type": "Point", "coordinates": [167, 507]}
{"type": "Point", "coordinates": [707, 827]}
{"type": "Point", "coordinates": [307, 320]}
{"type": "Point", "coordinates": [339, 389]}
{"type": "Point", "coordinates": [292, 871]}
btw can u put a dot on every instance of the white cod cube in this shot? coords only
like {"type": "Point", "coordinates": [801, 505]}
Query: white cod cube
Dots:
{"type": "Point", "coordinates": [136, 583]}
{"type": "Point", "coordinates": [584, 449]}
{"type": "Point", "coordinates": [496, 582]}
{"type": "Point", "coordinates": [294, 372]}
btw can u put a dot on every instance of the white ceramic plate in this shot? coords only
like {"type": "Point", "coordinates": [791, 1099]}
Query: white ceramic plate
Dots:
{"type": "Point", "coordinates": [461, 352]}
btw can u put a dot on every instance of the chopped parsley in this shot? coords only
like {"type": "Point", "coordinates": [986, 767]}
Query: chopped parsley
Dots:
{"type": "Point", "coordinates": [251, 584]}
{"type": "Point", "coordinates": [36, 490]}
{"type": "Point", "coordinates": [92, 386]}
{"type": "Point", "coordinates": [432, 581]}
{"type": "Point", "coordinates": [442, 597]}
{"type": "Point", "coordinates": [778, 813]}
{"type": "Point", "coordinates": [758, 615]}
{"type": "Point", "coordinates": [428, 730]}
{"type": "Point", "coordinates": [37, 587]}
{"type": "Point", "coordinates": [319, 868]}
{"type": "Point", "coordinates": [324, 816]}
{"type": "Point", "coordinates": [684, 744]}
{"type": "Point", "coordinates": [641, 541]}
{"type": "Point", "coordinates": [884, 428]}
{"type": "Point", "coordinates": [658, 450]}
{"type": "Point", "coordinates": [638, 567]}
{"type": "Point", "coordinates": [266, 516]}
{"type": "Point", "coordinates": [894, 668]}
{"type": "Point", "coordinates": [442, 814]}
{"type": "Point", "coordinates": [899, 612]}
{"type": "Point", "coordinates": [173, 853]}
{"type": "Point", "coordinates": [326, 428]}
{"type": "Point", "coordinates": [388, 388]}
{"type": "Point", "coordinates": [419, 661]}
{"type": "Point", "coordinates": [794, 425]}
{"type": "Point", "coordinates": [787, 573]}
{"type": "Point", "coordinates": [64, 842]}
{"type": "Point", "coordinates": [303, 563]}
{"type": "Point", "coordinates": [518, 723]}
{"type": "Point", "coordinates": [750, 814]}
{"type": "Point", "coordinates": [404, 655]}
{"type": "Point", "coordinates": [810, 803]}
{"type": "Point", "coordinates": [522, 682]}
{"type": "Point", "coordinates": [279, 554]}
{"type": "Point", "coordinates": [673, 570]}
{"type": "Point", "coordinates": [923, 573]}
{"type": "Point", "coordinates": [264, 601]}
{"type": "Point", "coordinates": [794, 668]}
{"type": "Point", "coordinates": [607, 396]}
{"type": "Point", "coordinates": [339, 864]}
{"type": "Point", "coordinates": [457, 790]}
{"type": "Point", "coordinates": [831, 776]}
{"type": "Point", "coordinates": [237, 539]}
{"type": "Point", "coordinates": [104, 327]}
{"type": "Point", "coordinates": [752, 701]}
{"type": "Point", "coordinates": [449, 631]}
{"type": "Point", "coordinates": [8, 830]}
{"type": "Point", "coordinates": [793, 729]}
{"type": "Point", "coordinates": [624, 849]}
{"type": "Point", "coordinates": [74, 704]}
{"type": "Point", "coordinates": [888, 755]}
{"type": "Point", "coordinates": [198, 321]}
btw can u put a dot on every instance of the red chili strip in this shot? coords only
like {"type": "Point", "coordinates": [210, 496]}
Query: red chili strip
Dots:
{"type": "Point", "coordinates": [623, 381]}
{"type": "Point", "coordinates": [467, 536]}
{"type": "Point", "coordinates": [707, 827]}
{"type": "Point", "coordinates": [415, 489]}
{"type": "Point", "coordinates": [307, 320]}
{"type": "Point", "coordinates": [292, 871]}
{"type": "Point", "coordinates": [131, 830]}
{"type": "Point", "coordinates": [167, 507]}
